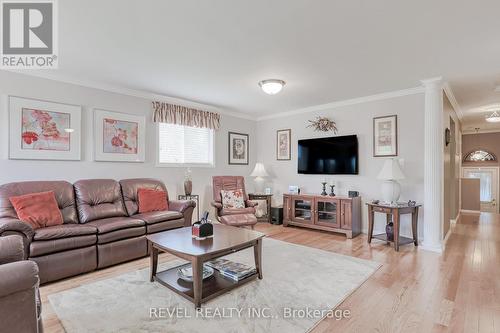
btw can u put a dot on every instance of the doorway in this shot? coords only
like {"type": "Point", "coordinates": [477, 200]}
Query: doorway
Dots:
{"type": "Point", "coordinates": [488, 182]}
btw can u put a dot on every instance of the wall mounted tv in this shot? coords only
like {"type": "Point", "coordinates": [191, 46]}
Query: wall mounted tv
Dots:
{"type": "Point", "coordinates": [337, 155]}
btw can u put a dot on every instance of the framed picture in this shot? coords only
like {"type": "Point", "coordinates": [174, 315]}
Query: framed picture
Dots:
{"type": "Point", "coordinates": [283, 144]}
{"type": "Point", "coordinates": [238, 148]}
{"type": "Point", "coordinates": [385, 136]}
{"type": "Point", "coordinates": [41, 130]}
{"type": "Point", "coordinates": [119, 137]}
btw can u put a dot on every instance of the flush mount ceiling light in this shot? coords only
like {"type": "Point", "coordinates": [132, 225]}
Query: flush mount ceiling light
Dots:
{"type": "Point", "coordinates": [271, 86]}
{"type": "Point", "coordinates": [493, 118]}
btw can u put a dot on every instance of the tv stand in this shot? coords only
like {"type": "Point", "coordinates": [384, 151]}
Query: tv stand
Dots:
{"type": "Point", "coordinates": [336, 214]}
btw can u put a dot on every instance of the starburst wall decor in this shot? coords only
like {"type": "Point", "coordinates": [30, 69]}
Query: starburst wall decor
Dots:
{"type": "Point", "coordinates": [323, 124]}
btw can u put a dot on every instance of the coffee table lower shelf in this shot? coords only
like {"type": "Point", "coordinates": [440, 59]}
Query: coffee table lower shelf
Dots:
{"type": "Point", "coordinates": [213, 286]}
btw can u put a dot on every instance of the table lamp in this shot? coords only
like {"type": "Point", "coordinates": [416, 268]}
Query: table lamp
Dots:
{"type": "Point", "coordinates": [259, 172]}
{"type": "Point", "coordinates": [391, 172]}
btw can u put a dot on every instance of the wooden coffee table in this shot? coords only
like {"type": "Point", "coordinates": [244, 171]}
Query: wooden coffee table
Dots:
{"type": "Point", "coordinates": [179, 242]}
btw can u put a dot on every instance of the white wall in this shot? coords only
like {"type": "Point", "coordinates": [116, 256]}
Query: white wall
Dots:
{"type": "Point", "coordinates": [354, 119]}
{"type": "Point", "coordinates": [38, 88]}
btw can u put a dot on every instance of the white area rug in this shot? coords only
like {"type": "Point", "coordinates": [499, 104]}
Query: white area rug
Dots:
{"type": "Point", "coordinates": [295, 278]}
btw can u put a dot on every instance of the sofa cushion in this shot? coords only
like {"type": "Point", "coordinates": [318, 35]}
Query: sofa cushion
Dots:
{"type": "Point", "coordinates": [121, 234]}
{"type": "Point", "coordinates": [37, 209]}
{"type": "Point", "coordinates": [64, 231]}
{"type": "Point", "coordinates": [234, 211]}
{"type": "Point", "coordinates": [115, 223]}
{"type": "Point", "coordinates": [151, 200]}
{"type": "Point", "coordinates": [63, 191]}
{"type": "Point", "coordinates": [157, 227]}
{"type": "Point", "coordinates": [98, 199]}
{"type": "Point", "coordinates": [130, 187]}
{"type": "Point", "coordinates": [42, 247]}
{"type": "Point", "coordinates": [156, 217]}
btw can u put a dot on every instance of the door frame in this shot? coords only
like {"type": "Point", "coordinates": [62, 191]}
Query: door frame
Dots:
{"type": "Point", "coordinates": [497, 170]}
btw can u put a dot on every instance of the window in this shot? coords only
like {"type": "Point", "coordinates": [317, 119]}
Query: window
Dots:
{"type": "Point", "coordinates": [185, 146]}
{"type": "Point", "coordinates": [479, 156]}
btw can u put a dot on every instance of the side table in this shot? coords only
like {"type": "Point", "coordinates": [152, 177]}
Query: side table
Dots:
{"type": "Point", "coordinates": [261, 196]}
{"type": "Point", "coordinates": [194, 197]}
{"type": "Point", "coordinates": [395, 211]}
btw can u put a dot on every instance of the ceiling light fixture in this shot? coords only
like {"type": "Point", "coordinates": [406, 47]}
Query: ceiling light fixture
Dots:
{"type": "Point", "coordinates": [493, 118]}
{"type": "Point", "coordinates": [271, 86]}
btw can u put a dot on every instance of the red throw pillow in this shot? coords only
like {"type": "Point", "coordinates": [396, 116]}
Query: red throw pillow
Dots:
{"type": "Point", "coordinates": [151, 200]}
{"type": "Point", "coordinates": [38, 209]}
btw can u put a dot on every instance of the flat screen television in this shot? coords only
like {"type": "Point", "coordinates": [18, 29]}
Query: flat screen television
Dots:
{"type": "Point", "coordinates": [337, 155]}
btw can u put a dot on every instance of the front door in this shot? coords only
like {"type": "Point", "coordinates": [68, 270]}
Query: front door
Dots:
{"type": "Point", "coordinates": [488, 180]}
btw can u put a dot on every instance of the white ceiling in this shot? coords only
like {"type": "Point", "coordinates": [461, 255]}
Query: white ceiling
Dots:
{"type": "Point", "coordinates": [215, 52]}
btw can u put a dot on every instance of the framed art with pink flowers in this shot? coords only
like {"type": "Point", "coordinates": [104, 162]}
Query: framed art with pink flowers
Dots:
{"type": "Point", "coordinates": [42, 130]}
{"type": "Point", "coordinates": [119, 137]}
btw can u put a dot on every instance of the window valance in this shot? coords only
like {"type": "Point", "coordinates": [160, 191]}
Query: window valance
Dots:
{"type": "Point", "coordinates": [181, 115]}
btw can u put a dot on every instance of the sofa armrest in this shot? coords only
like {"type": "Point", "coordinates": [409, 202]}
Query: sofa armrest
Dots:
{"type": "Point", "coordinates": [185, 207]}
{"type": "Point", "coordinates": [250, 203]}
{"type": "Point", "coordinates": [216, 204]}
{"type": "Point", "coordinates": [10, 225]}
{"type": "Point", "coordinates": [181, 205]}
{"type": "Point", "coordinates": [11, 249]}
{"type": "Point", "coordinates": [18, 276]}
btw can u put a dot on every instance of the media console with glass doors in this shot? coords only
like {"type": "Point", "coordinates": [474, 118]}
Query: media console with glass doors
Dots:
{"type": "Point", "coordinates": [337, 214]}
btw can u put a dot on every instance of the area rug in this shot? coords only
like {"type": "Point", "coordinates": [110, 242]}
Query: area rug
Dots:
{"type": "Point", "coordinates": [300, 286]}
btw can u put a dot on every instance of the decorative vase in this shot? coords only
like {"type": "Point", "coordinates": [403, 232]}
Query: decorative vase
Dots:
{"type": "Point", "coordinates": [389, 230]}
{"type": "Point", "coordinates": [188, 187]}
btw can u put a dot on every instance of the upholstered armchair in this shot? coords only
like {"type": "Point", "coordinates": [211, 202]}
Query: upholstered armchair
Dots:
{"type": "Point", "coordinates": [20, 309]}
{"type": "Point", "coordinates": [230, 183]}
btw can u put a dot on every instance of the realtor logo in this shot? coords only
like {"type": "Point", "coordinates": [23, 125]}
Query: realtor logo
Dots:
{"type": "Point", "coordinates": [29, 34]}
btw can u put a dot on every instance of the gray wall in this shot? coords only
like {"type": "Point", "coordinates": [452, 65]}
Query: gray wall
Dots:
{"type": "Point", "coordinates": [355, 119]}
{"type": "Point", "coordinates": [38, 88]}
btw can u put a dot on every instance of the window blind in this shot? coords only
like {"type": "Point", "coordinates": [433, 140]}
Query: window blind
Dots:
{"type": "Point", "coordinates": [185, 145]}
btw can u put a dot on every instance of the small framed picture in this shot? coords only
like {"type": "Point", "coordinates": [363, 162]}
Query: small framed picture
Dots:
{"type": "Point", "coordinates": [237, 148]}
{"type": "Point", "coordinates": [293, 189]}
{"type": "Point", "coordinates": [283, 145]}
{"type": "Point", "coordinates": [385, 136]}
{"type": "Point", "coordinates": [41, 130]}
{"type": "Point", "coordinates": [119, 137]}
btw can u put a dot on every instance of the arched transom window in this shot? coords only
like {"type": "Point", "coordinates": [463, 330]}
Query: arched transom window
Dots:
{"type": "Point", "coordinates": [479, 156]}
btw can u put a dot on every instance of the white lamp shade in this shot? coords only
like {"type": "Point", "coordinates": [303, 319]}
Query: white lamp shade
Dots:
{"type": "Point", "coordinates": [391, 170]}
{"type": "Point", "coordinates": [259, 171]}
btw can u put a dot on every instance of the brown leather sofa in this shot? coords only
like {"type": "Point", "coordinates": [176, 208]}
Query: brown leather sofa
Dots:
{"type": "Point", "coordinates": [20, 306]}
{"type": "Point", "coordinates": [98, 229]}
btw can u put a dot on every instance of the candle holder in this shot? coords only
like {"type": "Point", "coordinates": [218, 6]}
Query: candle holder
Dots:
{"type": "Point", "coordinates": [332, 193]}
{"type": "Point", "coordinates": [324, 189]}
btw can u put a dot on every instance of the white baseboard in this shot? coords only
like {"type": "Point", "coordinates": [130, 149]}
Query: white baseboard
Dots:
{"type": "Point", "coordinates": [470, 211]}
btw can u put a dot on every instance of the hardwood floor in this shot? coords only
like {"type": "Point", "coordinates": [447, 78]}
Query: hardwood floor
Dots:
{"type": "Point", "coordinates": [414, 290]}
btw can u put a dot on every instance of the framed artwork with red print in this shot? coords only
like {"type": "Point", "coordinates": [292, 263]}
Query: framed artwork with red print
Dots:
{"type": "Point", "coordinates": [42, 130]}
{"type": "Point", "coordinates": [119, 137]}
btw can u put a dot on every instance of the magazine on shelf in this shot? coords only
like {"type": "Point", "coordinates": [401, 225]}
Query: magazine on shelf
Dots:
{"type": "Point", "coordinates": [233, 270]}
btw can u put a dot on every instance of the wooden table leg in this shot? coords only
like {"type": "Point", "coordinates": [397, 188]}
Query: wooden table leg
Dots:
{"type": "Point", "coordinates": [414, 224]}
{"type": "Point", "coordinates": [388, 219]}
{"type": "Point", "coordinates": [257, 252]}
{"type": "Point", "coordinates": [370, 224]}
{"type": "Point", "coordinates": [395, 218]}
{"type": "Point", "coordinates": [153, 261]}
{"type": "Point", "coordinates": [197, 265]}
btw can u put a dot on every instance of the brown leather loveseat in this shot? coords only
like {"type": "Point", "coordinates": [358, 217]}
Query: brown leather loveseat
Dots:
{"type": "Point", "coordinates": [101, 225]}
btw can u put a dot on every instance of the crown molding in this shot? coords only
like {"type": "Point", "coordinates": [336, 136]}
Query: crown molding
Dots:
{"type": "Point", "coordinates": [451, 97]}
{"type": "Point", "coordinates": [352, 101]}
{"type": "Point", "coordinates": [131, 92]}
{"type": "Point", "coordinates": [481, 131]}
